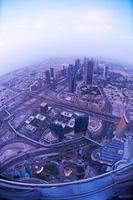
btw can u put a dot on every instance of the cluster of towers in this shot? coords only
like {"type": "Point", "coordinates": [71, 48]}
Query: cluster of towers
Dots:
{"type": "Point", "coordinates": [75, 72]}
{"type": "Point", "coordinates": [80, 71]}
{"type": "Point", "coordinates": [50, 78]}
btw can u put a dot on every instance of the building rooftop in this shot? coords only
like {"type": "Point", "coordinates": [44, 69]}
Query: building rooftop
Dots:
{"type": "Point", "coordinates": [71, 123]}
{"type": "Point", "coordinates": [43, 104]}
{"type": "Point", "coordinates": [29, 120]}
{"type": "Point", "coordinates": [40, 117]}
{"type": "Point", "coordinates": [66, 114]}
{"type": "Point", "coordinates": [31, 128]}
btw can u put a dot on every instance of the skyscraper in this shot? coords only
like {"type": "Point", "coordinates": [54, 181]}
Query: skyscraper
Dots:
{"type": "Point", "coordinates": [77, 64]}
{"type": "Point", "coordinates": [57, 129]}
{"type": "Point", "coordinates": [89, 72]}
{"type": "Point", "coordinates": [84, 64]}
{"type": "Point", "coordinates": [64, 71]}
{"type": "Point", "coordinates": [52, 72]}
{"type": "Point", "coordinates": [47, 76]}
{"type": "Point", "coordinates": [72, 84]}
{"type": "Point", "coordinates": [52, 79]}
{"type": "Point", "coordinates": [81, 124]}
{"type": "Point", "coordinates": [71, 78]}
{"type": "Point", "coordinates": [105, 72]}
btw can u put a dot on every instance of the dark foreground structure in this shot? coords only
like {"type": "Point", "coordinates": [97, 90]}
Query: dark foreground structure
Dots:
{"type": "Point", "coordinates": [103, 187]}
{"type": "Point", "coordinates": [116, 180]}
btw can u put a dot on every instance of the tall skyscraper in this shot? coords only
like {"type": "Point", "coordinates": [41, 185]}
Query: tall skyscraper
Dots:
{"type": "Point", "coordinates": [81, 124]}
{"type": "Point", "coordinates": [52, 79]}
{"type": "Point", "coordinates": [47, 76]}
{"type": "Point", "coordinates": [105, 72]}
{"type": "Point", "coordinates": [71, 78]}
{"type": "Point", "coordinates": [77, 64]}
{"type": "Point", "coordinates": [84, 64]}
{"type": "Point", "coordinates": [72, 84]}
{"type": "Point", "coordinates": [57, 129]}
{"type": "Point", "coordinates": [89, 72]}
{"type": "Point", "coordinates": [52, 72]}
{"type": "Point", "coordinates": [64, 71]}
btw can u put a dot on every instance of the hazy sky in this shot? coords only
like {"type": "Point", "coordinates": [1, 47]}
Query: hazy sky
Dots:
{"type": "Point", "coordinates": [34, 29]}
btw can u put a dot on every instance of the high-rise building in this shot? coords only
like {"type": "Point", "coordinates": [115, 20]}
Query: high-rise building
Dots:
{"type": "Point", "coordinates": [84, 64]}
{"type": "Point", "coordinates": [64, 71]}
{"type": "Point", "coordinates": [71, 70]}
{"type": "Point", "coordinates": [52, 72]}
{"type": "Point", "coordinates": [52, 83]}
{"type": "Point", "coordinates": [57, 129]}
{"type": "Point", "coordinates": [122, 125]}
{"type": "Point", "coordinates": [47, 76]}
{"type": "Point", "coordinates": [44, 107]}
{"type": "Point", "coordinates": [71, 79]}
{"type": "Point", "coordinates": [89, 72]}
{"type": "Point", "coordinates": [77, 64]}
{"type": "Point", "coordinates": [52, 79]}
{"type": "Point", "coordinates": [72, 84]}
{"type": "Point", "coordinates": [105, 72]}
{"type": "Point", "coordinates": [81, 124]}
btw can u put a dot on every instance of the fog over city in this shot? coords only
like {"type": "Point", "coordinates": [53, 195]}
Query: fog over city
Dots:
{"type": "Point", "coordinates": [31, 30]}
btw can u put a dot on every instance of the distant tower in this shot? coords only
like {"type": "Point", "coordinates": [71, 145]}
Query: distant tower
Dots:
{"type": "Point", "coordinates": [52, 72]}
{"type": "Point", "coordinates": [52, 79]}
{"type": "Point", "coordinates": [47, 76]}
{"type": "Point", "coordinates": [64, 71]}
{"type": "Point", "coordinates": [84, 64]}
{"type": "Point", "coordinates": [122, 125]}
{"type": "Point", "coordinates": [105, 72]}
{"type": "Point", "coordinates": [89, 72]}
{"type": "Point", "coordinates": [71, 79]}
{"type": "Point", "coordinates": [77, 64]}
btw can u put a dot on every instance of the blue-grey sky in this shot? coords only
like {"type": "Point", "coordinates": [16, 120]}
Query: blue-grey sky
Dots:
{"type": "Point", "coordinates": [35, 29]}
